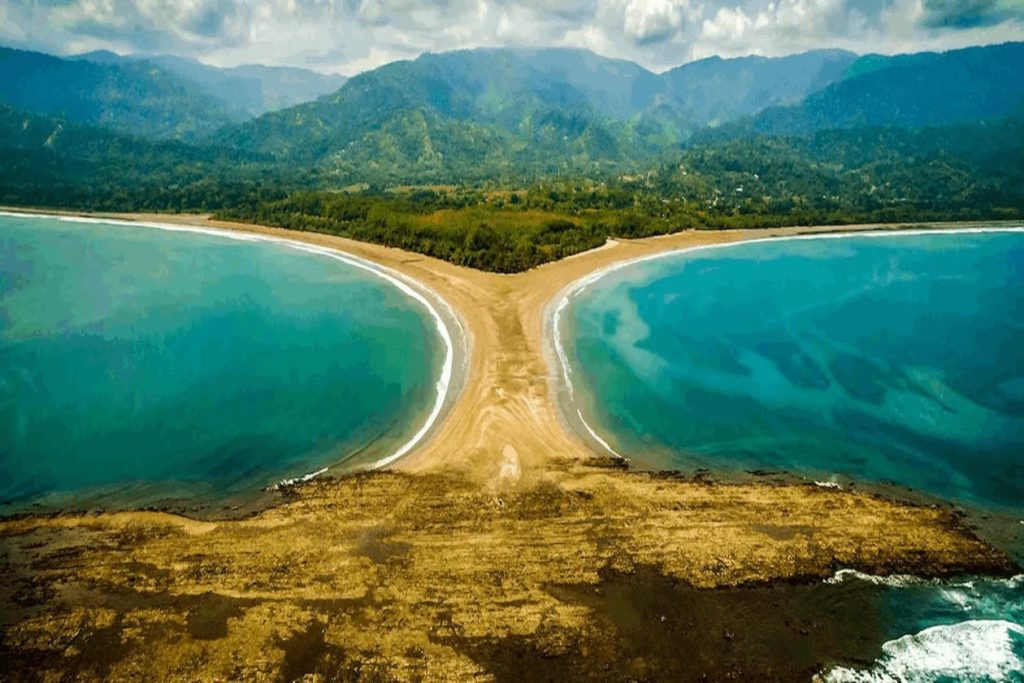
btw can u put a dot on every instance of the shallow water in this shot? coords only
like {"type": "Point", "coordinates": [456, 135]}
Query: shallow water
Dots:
{"type": "Point", "coordinates": [141, 365]}
{"type": "Point", "coordinates": [897, 358]}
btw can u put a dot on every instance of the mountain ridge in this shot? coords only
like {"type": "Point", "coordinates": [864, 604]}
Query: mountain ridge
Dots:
{"type": "Point", "coordinates": [920, 89]}
{"type": "Point", "coordinates": [254, 88]}
{"type": "Point", "coordinates": [516, 116]}
{"type": "Point", "coordinates": [137, 98]}
{"type": "Point", "coordinates": [565, 109]}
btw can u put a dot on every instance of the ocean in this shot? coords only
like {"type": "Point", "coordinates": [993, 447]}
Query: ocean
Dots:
{"type": "Point", "coordinates": [885, 359]}
{"type": "Point", "coordinates": [141, 366]}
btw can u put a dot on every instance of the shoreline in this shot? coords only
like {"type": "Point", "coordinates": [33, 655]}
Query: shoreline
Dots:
{"type": "Point", "coordinates": [511, 395]}
{"type": "Point", "coordinates": [447, 323]}
{"type": "Point", "coordinates": [508, 412]}
{"type": "Point", "coordinates": [503, 537]}
{"type": "Point", "coordinates": [572, 411]}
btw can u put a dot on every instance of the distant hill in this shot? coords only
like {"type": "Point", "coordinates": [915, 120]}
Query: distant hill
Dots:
{"type": "Point", "coordinates": [254, 89]}
{"type": "Point", "coordinates": [57, 145]}
{"type": "Point", "coordinates": [715, 90]}
{"type": "Point", "coordinates": [138, 98]}
{"type": "Point", "coordinates": [512, 115]}
{"type": "Point", "coordinates": [487, 111]}
{"type": "Point", "coordinates": [466, 113]}
{"type": "Point", "coordinates": [961, 86]}
{"type": "Point", "coordinates": [507, 117]}
{"type": "Point", "coordinates": [54, 162]}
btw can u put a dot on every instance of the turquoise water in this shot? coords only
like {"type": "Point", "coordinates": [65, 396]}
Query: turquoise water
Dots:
{"type": "Point", "coordinates": [869, 359]}
{"type": "Point", "coordinates": [897, 358]}
{"type": "Point", "coordinates": [968, 630]}
{"type": "Point", "coordinates": [143, 365]}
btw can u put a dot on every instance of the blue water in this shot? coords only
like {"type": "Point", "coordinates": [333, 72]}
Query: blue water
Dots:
{"type": "Point", "coordinates": [965, 630]}
{"type": "Point", "coordinates": [142, 365]}
{"type": "Point", "coordinates": [897, 358]}
{"type": "Point", "coordinates": [867, 359]}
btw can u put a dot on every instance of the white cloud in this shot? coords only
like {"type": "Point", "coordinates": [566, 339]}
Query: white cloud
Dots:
{"type": "Point", "coordinates": [352, 35]}
{"type": "Point", "coordinates": [649, 19]}
{"type": "Point", "coordinates": [730, 26]}
{"type": "Point", "coordinates": [778, 27]}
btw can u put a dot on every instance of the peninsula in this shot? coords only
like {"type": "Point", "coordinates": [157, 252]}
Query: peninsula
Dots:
{"type": "Point", "coordinates": [503, 542]}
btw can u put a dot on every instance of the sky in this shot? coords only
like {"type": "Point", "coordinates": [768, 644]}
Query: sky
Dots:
{"type": "Point", "coordinates": [349, 36]}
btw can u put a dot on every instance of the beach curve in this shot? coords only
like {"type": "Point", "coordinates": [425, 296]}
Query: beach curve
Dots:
{"type": "Point", "coordinates": [572, 412]}
{"type": "Point", "coordinates": [421, 294]}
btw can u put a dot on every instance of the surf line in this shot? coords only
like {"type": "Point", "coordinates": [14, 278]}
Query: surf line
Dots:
{"type": "Point", "coordinates": [577, 287]}
{"type": "Point", "coordinates": [409, 286]}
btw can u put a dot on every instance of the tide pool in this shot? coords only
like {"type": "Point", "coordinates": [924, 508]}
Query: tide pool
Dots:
{"type": "Point", "coordinates": [143, 365]}
{"type": "Point", "coordinates": [896, 358]}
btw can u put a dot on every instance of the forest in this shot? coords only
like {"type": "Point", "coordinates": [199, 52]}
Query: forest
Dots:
{"type": "Point", "coordinates": [830, 178]}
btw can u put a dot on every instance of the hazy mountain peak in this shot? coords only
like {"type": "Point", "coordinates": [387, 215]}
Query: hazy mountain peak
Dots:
{"type": "Point", "coordinates": [716, 90]}
{"type": "Point", "coordinates": [970, 85]}
{"type": "Point", "coordinates": [252, 89]}
{"type": "Point", "coordinates": [99, 57]}
{"type": "Point", "coordinates": [131, 96]}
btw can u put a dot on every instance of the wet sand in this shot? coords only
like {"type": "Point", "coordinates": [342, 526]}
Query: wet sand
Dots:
{"type": "Point", "coordinates": [504, 541]}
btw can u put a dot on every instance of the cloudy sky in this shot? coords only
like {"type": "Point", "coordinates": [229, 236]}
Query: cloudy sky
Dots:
{"type": "Point", "coordinates": [348, 36]}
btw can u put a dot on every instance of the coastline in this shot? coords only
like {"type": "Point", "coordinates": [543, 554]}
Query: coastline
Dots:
{"type": "Point", "coordinates": [446, 321]}
{"type": "Point", "coordinates": [572, 412]}
{"type": "Point", "coordinates": [493, 541]}
{"type": "Point", "coordinates": [509, 410]}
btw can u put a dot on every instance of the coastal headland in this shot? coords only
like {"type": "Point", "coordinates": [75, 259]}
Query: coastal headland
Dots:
{"type": "Point", "coordinates": [503, 542]}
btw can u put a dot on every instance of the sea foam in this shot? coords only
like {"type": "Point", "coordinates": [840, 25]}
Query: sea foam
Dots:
{"type": "Point", "coordinates": [904, 580]}
{"type": "Point", "coordinates": [968, 651]}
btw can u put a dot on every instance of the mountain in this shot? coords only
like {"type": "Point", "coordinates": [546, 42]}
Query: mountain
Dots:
{"type": "Point", "coordinates": [138, 98]}
{"type": "Point", "coordinates": [715, 90]}
{"type": "Point", "coordinates": [53, 162]}
{"type": "Point", "coordinates": [960, 86]}
{"type": "Point", "coordinates": [286, 86]}
{"type": "Point", "coordinates": [471, 112]}
{"type": "Point", "coordinates": [515, 116]}
{"type": "Point", "coordinates": [254, 89]}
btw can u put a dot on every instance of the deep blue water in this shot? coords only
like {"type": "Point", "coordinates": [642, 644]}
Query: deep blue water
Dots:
{"type": "Point", "coordinates": [145, 365]}
{"type": "Point", "coordinates": [865, 358]}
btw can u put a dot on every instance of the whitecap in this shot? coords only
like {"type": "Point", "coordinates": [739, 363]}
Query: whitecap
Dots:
{"type": "Point", "coordinates": [967, 651]}
{"type": "Point", "coordinates": [904, 580]}
{"type": "Point", "coordinates": [892, 580]}
{"type": "Point", "coordinates": [285, 483]}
